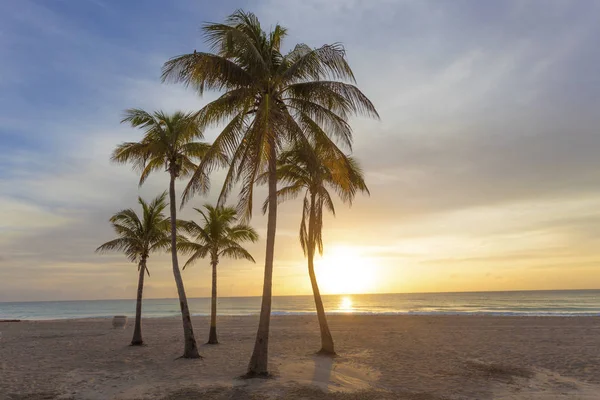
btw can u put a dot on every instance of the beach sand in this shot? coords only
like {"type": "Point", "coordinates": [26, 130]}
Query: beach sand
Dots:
{"type": "Point", "coordinates": [380, 357]}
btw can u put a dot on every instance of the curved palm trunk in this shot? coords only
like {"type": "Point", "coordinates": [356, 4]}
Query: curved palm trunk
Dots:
{"type": "Point", "coordinates": [137, 331]}
{"type": "Point", "coordinates": [190, 349]}
{"type": "Point", "coordinates": [212, 336]}
{"type": "Point", "coordinates": [326, 338]}
{"type": "Point", "coordinates": [260, 354]}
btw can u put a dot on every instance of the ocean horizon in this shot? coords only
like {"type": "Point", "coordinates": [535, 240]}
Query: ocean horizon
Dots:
{"type": "Point", "coordinates": [500, 303]}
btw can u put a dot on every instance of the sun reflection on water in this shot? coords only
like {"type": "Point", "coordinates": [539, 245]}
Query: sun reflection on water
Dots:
{"type": "Point", "coordinates": [346, 304]}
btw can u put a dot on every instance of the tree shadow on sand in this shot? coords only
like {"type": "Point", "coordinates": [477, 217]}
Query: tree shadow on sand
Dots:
{"type": "Point", "coordinates": [323, 366]}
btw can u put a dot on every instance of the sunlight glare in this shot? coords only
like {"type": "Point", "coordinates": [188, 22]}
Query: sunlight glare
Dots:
{"type": "Point", "coordinates": [342, 270]}
{"type": "Point", "coordinates": [346, 304]}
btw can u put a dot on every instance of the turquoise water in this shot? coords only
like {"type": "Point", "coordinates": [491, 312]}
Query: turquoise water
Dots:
{"type": "Point", "coordinates": [548, 303]}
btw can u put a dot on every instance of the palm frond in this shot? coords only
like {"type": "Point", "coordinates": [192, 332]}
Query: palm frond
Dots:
{"type": "Point", "coordinates": [134, 152]}
{"type": "Point", "coordinates": [284, 194]}
{"type": "Point", "coordinates": [336, 96]}
{"type": "Point", "coordinates": [237, 253]}
{"type": "Point", "coordinates": [138, 118]}
{"type": "Point", "coordinates": [201, 252]}
{"type": "Point", "coordinates": [328, 61]}
{"type": "Point", "coordinates": [120, 244]}
{"type": "Point", "coordinates": [138, 237]}
{"type": "Point", "coordinates": [154, 164]}
{"type": "Point", "coordinates": [304, 237]}
{"type": "Point", "coordinates": [205, 71]}
{"type": "Point", "coordinates": [242, 233]}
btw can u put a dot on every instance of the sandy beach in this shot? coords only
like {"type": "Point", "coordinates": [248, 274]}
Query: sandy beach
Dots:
{"type": "Point", "coordinates": [380, 357]}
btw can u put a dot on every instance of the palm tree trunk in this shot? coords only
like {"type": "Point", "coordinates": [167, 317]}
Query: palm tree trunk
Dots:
{"type": "Point", "coordinates": [326, 338]}
{"type": "Point", "coordinates": [260, 354]}
{"type": "Point", "coordinates": [190, 349]}
{"type": "Point", "coordinates": [137, 331]}
{"type": "Point", "coordinates": [212, 336]}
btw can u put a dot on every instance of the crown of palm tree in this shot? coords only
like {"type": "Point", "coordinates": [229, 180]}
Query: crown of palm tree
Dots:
{"type": "Point", "coordinates": [271, 99]}
{"type": "Point", "coordinates": [315, 169]}
{"type": "Point", "coordinates": [217, 235]}
{"type": "Point", "coordinates": [138, 237]}
{"type": "Point", "coordinates": [169, 143]}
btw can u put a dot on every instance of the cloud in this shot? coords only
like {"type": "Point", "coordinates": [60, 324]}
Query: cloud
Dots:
{"type": "Point", "coordinates": [486, 154]}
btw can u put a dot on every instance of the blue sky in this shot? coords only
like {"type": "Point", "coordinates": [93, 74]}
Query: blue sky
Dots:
{"type": "Point", "coordinates": [484, 169]}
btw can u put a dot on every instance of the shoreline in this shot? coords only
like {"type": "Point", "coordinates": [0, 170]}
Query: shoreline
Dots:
{"type": "Point", "coordinates": [329, 314]}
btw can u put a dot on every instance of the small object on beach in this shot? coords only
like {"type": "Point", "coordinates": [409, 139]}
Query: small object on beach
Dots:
{"type": "Point", "coordinates": [119, 321]}
{"type": "Point", "coordinates": [10, 320]}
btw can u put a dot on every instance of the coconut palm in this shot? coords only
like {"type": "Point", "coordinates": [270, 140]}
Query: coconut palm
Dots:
{"type": "Point", "coordinates": [217, 237]}
{"type": "Point", "coordinates": [169, 143]}
{"type": "Point", "coordinates": [315, 170]}
{"type": "Point", "coordinates": [270, 99]}
{"type": "Point", "coordinates": [137, 238]}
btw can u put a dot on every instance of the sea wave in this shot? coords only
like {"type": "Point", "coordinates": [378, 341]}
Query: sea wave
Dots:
{"type": "Point", "coordinates": [333, 313]}
{"type": "Point", "coordinates": [501, 304]}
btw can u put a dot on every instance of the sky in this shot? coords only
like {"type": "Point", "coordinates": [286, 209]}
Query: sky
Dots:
{"type": "Point", "coordinates": [484, 170]}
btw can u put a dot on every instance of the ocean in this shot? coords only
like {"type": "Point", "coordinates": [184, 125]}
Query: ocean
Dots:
{"type": "Point", "coordinates": [517, 303]}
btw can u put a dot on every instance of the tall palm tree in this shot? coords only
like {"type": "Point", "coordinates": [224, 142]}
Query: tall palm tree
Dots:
{"type": "Point", "coordinates": [169, 143]}
{"type": "Point", "coordinates": [315, 170]}
{"type": "Point", "coordinates": [137, 238]}
{"type": "Point", "coordinates": [217, 237]}
{"type": "Point", "coordinates": [271, 99]}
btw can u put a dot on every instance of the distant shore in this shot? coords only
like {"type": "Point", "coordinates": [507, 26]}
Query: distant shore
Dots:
{"type": "Point", "coordinates": [380, 357]}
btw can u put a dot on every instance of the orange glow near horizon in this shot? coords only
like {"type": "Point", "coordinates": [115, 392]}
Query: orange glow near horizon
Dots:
{"type": "Point", "coordinates": [342, 270]}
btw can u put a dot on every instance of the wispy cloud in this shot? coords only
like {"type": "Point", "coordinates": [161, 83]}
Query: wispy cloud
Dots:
{"type": "Point", "coordinates": [484, 165]}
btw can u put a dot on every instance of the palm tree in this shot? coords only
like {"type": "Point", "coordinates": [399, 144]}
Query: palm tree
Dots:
{"type": "Point", "coordinates": [137, 238]}
{"type": "Point", "coordinates": [313, 169]}
{"type": "Point", "coordinates": [217, 237]}
{"type": "Point", "coordinates": [271, 99]}
{"type": "Point", "coordinates": [169, 144]}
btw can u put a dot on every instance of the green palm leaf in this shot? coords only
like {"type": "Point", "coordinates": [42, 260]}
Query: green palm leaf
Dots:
{"type": "Point", "coordinates": [139, 236]}
{"type": "Point", "coordinates": [217, 235]}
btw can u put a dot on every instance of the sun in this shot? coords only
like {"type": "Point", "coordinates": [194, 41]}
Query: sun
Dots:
{"type": "Point", "coordinates": [346, 304]}
{"type": "Point", "coordinates": [342, 270]}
